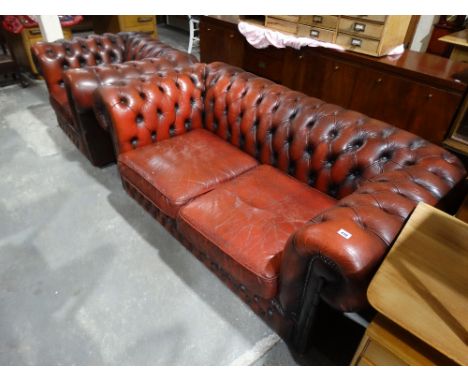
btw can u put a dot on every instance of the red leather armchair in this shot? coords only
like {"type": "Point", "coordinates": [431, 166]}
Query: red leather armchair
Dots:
{"type": "Point", "coordinates": [73, 69]}
{"type": "Point", "coordinates": [286, 198]}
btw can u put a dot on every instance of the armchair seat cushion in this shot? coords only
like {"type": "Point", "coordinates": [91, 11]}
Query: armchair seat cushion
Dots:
{"type": "Point", "coordinates": [174, 171]}
{"type": "Point", "coordinates": [243, 225]}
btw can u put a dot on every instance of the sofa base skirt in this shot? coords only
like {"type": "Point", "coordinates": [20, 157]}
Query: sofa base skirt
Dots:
{"type": "Point", "coordinates": [71, 133]}
{"type": "Point", "coordinates": [98, 154]}
{"type": "Point", "coordinates": [268, 310]}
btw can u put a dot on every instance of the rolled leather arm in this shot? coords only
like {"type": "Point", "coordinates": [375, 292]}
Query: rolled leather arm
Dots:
{"type": "Point", "coordinates": [345, 244]}
{"type": "Point", "coordinates": [148, 109]}
{"type": "Point", "coordinates": [53, 58]}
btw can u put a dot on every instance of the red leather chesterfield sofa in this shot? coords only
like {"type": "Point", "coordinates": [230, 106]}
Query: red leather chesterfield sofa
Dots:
{"type": "Point", "coordinates": [286, 198]}
{"type": "Point", "coordinates": [100, 59]}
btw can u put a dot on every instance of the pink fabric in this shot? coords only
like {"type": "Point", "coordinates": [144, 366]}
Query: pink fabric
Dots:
{"type": "Point", "coordinates": [261, 37]}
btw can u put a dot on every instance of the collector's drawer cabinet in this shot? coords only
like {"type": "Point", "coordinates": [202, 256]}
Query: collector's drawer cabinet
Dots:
{"type": "Point", "coordinates": [373, 35]}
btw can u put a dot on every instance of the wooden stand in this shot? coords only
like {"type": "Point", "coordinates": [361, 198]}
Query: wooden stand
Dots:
{"type": "Point", "coordinates": [420, 294]}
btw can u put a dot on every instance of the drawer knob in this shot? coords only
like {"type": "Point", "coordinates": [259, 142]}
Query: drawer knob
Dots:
{"type": "Point", "coordinates": [359, 27]}
{"type": "Point", "coordinates": [356, 42]}
{"type": "Point", "coordinates": [317, 19]}
{"type": "Point", "coordinates": [336, 67]}
{"type": "Point", "coordinates": [231, 35]}
{"type": "Point", "coordinates": [429, 96]}
{"type": "Point", "coordinates": [379, 80]}
{"type": "Point", "coordinates": [208, 29]}
{"type": "Point", "coordinates": [144, 19]}
{"type": "Point", "coordinates": [301, 57]}
{"type": "Point", "coordinates": [314, 33]}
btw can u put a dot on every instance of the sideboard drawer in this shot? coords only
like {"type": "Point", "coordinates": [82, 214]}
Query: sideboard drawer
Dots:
{"type": "Point", "coordinates": [361, 27]}
{"type": "Point", "coordinates": [292, 19]}
{"type": "Point", "coordinates": [379, 18]}
{"type": "Point", "coordinates": [281, 25]}
{"type": "Point", "coordinates": [149, 29]}
{"type": "Point", "coordinates": [316, 33]}
{"type": "Point", "coordinates": [328, 22]}
{"type": "Point", "coordinates": [358, 44]}
{"type": "Point", "coordinates": [136, 20]}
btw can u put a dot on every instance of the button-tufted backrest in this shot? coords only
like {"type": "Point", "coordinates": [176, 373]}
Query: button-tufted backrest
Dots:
{"type": "Point", "coordinates": [52, 59]}
{"type": "Point", "coordinates": [81, 83]}
{"type": "Point", "coordinates": [151, 108]}
{"type": "Point", "coordinates": [323, 145]}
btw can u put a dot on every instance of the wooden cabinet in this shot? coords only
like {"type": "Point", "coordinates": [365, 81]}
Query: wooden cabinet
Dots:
{"type": "Point", "coordinates": [326, 78]}
{"type": "Point", "coordinates": [221, 44]}
{"type": "Point", "coordinates": [407, 104]}
{"type": "Point", "coordinates": [21, 46]}
{"type": "Point", "coordinates": [419, 292]}
{"type": "Point", "coordinates": [373, 35]}
{"type": "Point", "coordinates": [458, 136]}
{"type": "Point", "coordinates": [415, 91]}
{"type": "Point", "coordinates": [126, 23]}
{"type": "Point", "coordinates": [386, 344]}
{"type": "Point", "coordinates": [266, 63]}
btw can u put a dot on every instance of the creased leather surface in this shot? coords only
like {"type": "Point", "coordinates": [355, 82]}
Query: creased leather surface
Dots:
{"type": "Point", "coordinates": [244, 223]}
{"type": "Point", "coordinates": [374, 214]}
{"type": "Point", "coordinates": [376, 171]}
{"type": "Point", "coordinates": [83, 82]}
{"type": "Point", "coordinates": [174, 171]}
{"type": "Point", "coordinates": [104, 55]}
{"type": "Point", "coordinates": [153, 108]}
{"type": "Point", "coordinates": [268, 310]}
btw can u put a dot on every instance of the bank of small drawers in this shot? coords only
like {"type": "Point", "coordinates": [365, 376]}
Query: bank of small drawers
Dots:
{"type": "Point", "coordinates": [374, 35]}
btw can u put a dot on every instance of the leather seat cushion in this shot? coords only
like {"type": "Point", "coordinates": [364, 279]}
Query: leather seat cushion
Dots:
{"type": "Point", "coordinates": [174, 171]}
{"type": "Point", "coordinates": [243, 225]}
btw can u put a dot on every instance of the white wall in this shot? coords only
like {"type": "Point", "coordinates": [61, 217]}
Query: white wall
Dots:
{"type": "Point", "coordinates": [50, 27]}
{"type": "Point", "coordinates": [423, 32]}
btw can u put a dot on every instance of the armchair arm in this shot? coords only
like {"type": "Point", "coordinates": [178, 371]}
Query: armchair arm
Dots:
{"type": "Point", "coordinates": [81, 83]}
{"type": "Point", "coordinates": [142, 111]}
{"type": "Point", "coordinates": [53, 58]}
{"type": "Point", "coordinates": [345, 245]}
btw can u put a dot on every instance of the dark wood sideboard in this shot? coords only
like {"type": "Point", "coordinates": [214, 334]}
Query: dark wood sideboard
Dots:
{"type": "Point", "coordinates": [417, 92]}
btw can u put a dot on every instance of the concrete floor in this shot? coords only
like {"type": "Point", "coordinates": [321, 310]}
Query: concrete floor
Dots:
{"type": "Point", "coordinates": [177, 38]}
{"type": "Point", "coordinates": [87, 277]}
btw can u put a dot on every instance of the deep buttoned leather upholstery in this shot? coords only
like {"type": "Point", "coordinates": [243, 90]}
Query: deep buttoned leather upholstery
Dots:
{"type": "Point", "coordinates": [244, 224]}
{"type": "Point", "coordinates": [177, 170]}
{"type": "Point", "coordinates": [376, 172]}
{"type": "Point", "coordinates": [107, 57]}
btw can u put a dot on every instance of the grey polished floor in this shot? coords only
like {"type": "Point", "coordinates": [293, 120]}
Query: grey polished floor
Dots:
{"type": "Point", "coordinates": [86, 275]}
{"type": "Point", "coordinates": [177, 38]}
